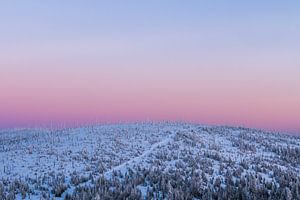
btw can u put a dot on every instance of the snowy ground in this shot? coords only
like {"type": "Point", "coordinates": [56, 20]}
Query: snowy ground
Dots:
{"type": "Point", "coordinates": [37, 163]}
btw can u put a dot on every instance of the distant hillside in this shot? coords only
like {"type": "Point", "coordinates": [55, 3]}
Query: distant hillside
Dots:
{"type": "Point", "coordinates": [149, 161]}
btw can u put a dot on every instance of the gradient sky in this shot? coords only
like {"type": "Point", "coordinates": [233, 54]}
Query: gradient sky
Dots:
{"type": "Point", "coordinates": [227, 62]}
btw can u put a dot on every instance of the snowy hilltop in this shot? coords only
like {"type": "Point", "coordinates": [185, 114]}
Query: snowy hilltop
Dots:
{"type": "Point", "coordinates": [149, 161]}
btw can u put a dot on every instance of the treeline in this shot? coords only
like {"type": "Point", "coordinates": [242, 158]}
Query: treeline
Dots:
{"type": "Point", "coordinates": [159, 185]}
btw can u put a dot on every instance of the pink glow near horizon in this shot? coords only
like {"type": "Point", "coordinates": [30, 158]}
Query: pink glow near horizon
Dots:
{"type": "Point", "coordinates": [78, 96]}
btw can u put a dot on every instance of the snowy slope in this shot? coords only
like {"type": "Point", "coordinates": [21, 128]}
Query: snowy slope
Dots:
{"type": "Point", "coordinates": [148, 160]}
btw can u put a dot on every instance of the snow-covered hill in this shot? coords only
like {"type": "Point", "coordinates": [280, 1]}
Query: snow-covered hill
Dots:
{"type": "Point", "coordinates": [149, 161]}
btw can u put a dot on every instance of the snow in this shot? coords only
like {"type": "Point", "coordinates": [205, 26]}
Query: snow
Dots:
{"type": "Point", "coordinates": [93, 151]}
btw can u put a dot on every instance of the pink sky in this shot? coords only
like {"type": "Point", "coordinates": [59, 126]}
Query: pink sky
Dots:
{"type": "Point", "coordinates": [238, 65]}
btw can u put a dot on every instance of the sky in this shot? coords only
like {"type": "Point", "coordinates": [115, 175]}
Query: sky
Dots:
{"type": "Point", "coordinates": [211, 62]}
